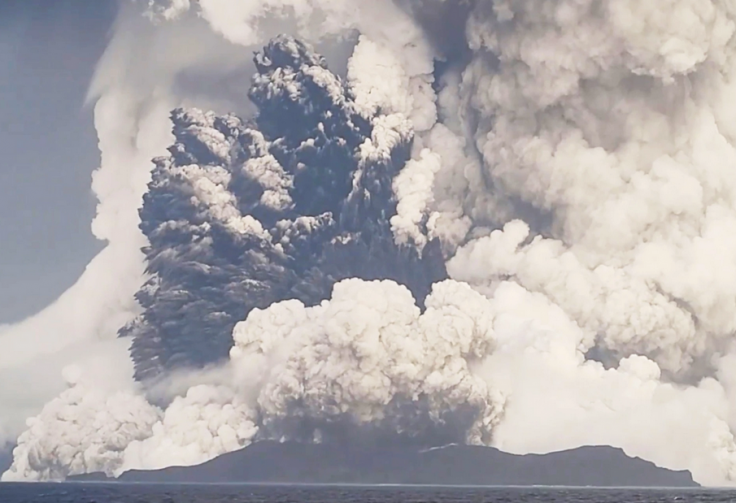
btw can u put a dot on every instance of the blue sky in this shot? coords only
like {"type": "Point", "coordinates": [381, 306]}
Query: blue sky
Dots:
{"type": "Point", "coordinates": [48, 146]}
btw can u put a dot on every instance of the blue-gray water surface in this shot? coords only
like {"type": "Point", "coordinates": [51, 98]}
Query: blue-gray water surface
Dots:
{"type": "Point", "coordinates": [135, 493]}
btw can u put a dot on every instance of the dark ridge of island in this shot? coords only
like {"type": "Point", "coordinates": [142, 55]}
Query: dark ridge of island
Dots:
{"type": "Point", "coordinates": [297, 463]}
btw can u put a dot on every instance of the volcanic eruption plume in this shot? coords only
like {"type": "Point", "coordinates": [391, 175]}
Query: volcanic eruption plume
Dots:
{"type": "Point", "coordinates": [240, 216]}
{"type": "Point", "coordinates": [514, 228]}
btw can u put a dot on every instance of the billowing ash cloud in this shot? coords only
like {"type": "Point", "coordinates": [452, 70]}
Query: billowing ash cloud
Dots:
{"type": "Point", "coordinates": [368, 355]}
{"type": "Point", "coordinates": [98, 426]}
{"type": "Point", "coordinates": [567, 164]}
{"type": "Point", "coordinates": [367, 365]}
{"type": "Point", "coordinates": [241, 215]}
{"type": "Point", "coordinates": [607, 118]}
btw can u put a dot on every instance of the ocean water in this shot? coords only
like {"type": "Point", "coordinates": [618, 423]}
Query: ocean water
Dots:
{"type": "Point", "coordinates": [139, 493]}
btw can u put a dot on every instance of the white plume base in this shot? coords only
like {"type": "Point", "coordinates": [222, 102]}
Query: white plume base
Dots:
{"type": "Point", "coordinates": [515, 357]}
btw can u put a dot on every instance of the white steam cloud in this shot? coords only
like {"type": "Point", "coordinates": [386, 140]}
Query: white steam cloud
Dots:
{"type": "Point", "coordinates": [577, 166]}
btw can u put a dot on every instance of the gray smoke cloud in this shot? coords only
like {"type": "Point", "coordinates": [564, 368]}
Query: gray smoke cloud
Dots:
{"type": "Point", "coordinates": [565, 163]}
{"type": "Point", "coordinates": [240, 216]}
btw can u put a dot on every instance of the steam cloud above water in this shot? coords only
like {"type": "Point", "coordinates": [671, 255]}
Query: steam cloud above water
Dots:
{"type": "Point", "coordinates": [567, 165]}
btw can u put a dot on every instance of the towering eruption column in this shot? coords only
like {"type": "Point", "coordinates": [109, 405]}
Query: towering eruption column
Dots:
{"type": "Point", "coordinates": [241, 215]}
{"type": "Point", "coordinates": [611, 125]}
{"type": "Point", "coordinates": [610, 121]}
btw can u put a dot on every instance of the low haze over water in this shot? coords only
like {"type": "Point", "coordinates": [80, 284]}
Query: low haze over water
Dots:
{"type": "Point", "coordinates": [103, 493]}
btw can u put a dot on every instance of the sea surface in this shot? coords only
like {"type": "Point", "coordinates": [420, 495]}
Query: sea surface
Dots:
{"type": "Point", "coordinates": [140, 493]}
